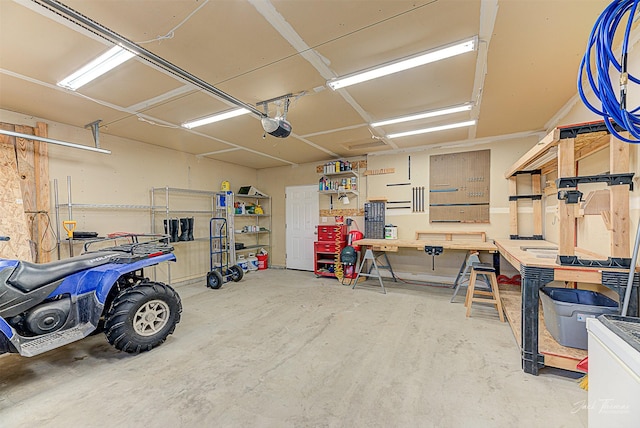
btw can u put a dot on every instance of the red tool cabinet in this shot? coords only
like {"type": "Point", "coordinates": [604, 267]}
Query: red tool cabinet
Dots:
{"type": "Point", "coordinates": [331, 240]}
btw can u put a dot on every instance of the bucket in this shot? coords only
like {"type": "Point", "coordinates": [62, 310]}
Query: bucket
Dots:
{"type": "Point", "coordinates": [391, 232]}
{"type": "Point", "coordinates": [262, 261]}
{"type": "Point", "coordinates": [252, 261]}
{"type": "Point", "coordinates": [242, 262]}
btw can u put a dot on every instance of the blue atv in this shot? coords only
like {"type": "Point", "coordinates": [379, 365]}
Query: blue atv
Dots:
{"type": "Point", "coordinates": [46, 306]}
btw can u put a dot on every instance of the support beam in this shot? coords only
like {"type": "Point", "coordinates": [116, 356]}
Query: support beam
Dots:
{"type": "Point", "coordinates": [619, 201]}
{"type": "Point", "coordinates": [566, 168]}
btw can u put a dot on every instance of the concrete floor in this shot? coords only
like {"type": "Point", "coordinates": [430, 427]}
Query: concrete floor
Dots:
{"type": "Point", "coordinates": [286, 349]}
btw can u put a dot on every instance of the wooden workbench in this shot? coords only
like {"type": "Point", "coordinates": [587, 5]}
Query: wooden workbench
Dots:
{"type": "Point", "coordinates": [534, 259]}
{"type": "Point", "coordinates": [392, 245]}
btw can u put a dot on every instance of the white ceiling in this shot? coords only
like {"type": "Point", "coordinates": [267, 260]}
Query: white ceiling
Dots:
{"type": "Point", "coordinates": [523, 72]}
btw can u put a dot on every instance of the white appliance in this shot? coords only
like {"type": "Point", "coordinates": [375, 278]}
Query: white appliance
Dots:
{"type": "Point", "coordinates": [614, 371]}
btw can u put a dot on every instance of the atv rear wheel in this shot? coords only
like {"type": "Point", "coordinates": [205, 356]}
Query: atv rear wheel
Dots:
{"type": "Point", "coordinates": [142, 317]}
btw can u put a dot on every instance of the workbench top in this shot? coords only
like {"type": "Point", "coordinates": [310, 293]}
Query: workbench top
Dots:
{"type": "Point", "coordinates": [393, 245]}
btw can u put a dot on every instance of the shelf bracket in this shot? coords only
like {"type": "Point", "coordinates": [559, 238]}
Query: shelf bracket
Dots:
{"type": "Point", "coordinates": [570, 196]}
{"type": "Point", "coordinates": [95, 131]}
{"type": "Point", "coordinates": [610, 179]}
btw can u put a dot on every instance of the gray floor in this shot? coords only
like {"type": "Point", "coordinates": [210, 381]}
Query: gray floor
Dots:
{"type": "Point", "coordinates": [286, 349]}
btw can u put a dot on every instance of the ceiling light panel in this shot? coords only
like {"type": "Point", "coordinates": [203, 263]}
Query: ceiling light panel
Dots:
{"type": "Point", "coordinates": [430, 56]}
{"type": "Point", "coordinates": [425, 115]}
{"type": "Point", "coordinates": [96, 68]}
{"type": "Point", "coordinates": [215, 118]}
{"type": "Point", "coordinates": [432, 129]}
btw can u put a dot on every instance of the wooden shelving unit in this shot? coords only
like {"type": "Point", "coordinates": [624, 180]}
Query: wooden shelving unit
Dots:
{"type": "Point", "coordinates": [559, 151]}
{"type": "Point", "coordinates": [555, 355]}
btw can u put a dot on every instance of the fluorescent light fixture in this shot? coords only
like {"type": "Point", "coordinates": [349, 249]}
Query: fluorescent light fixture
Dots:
{"type": "Point", "coordinates": [215, 118]}
{"type": "Point", "coordinates": [407, 63]}
{"type": "Point", "coordinates": [433, 129]}
{"type": "Point", "coordinates": [424, 115]}
{"type": "Point", "coordinates": [96, 68]}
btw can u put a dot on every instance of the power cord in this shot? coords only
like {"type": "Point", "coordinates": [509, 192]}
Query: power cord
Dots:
{"type": "Point", "coordinates": [597, 62]}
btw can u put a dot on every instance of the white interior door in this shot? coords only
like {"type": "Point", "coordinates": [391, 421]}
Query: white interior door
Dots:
{"type": "Point", "coordinates": [302, 217]}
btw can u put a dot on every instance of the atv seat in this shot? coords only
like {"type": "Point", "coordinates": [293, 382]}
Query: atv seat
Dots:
{"type": "Point", "coordinates": [30, 276]}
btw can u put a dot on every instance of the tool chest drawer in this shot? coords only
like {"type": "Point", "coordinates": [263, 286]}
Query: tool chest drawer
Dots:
{"type": "Point", "coordinates": [327, 247]}
{"type": "Point", "coordinates": [329, 233]}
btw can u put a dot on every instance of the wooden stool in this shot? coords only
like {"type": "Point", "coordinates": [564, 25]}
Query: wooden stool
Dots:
{"type": "Point", "coordinates": [494, 293]}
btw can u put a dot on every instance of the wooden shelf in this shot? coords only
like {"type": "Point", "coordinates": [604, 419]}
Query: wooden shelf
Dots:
{"type": "Point", "coordinates": [555, 355]}
{"type": "Point", "coordinates": [543, 156]}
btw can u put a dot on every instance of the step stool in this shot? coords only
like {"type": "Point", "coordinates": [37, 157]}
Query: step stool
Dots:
{"type": "Point", "coordinates": [493, 295]}
{"type": "Point", "coordinates": [465, 270]}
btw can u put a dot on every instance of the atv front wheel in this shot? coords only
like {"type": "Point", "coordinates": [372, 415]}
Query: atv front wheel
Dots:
{"type": "Point", "coordinates": [142, 317]}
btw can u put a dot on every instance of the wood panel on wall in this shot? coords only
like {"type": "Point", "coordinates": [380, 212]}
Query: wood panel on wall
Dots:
{"type": "Point", "coordinates": [25, 195]}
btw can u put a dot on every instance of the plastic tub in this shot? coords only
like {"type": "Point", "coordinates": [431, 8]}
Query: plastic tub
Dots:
{"type": "Point", "coordinates": [253, 262]}
{"type": "Point", "coordinates": [262, 261]}
{"type": "Point", "coordinates": [566, 311]}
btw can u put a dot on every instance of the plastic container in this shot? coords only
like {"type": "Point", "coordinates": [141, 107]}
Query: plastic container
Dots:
{"type": "Point", "coordinates": [242, 262]}
{"type": "Point", "coordinates": [252, 261]}
{"type": "Point", "coordinates": [263, 261]}
{"type": "Point", "coordinates": [566, 311]}
{"type": "Point", "coordinates": [391, 232]}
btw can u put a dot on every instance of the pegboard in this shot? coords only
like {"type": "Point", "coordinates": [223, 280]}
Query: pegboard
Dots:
{"type": "Point", "coordinates": [459, 187]}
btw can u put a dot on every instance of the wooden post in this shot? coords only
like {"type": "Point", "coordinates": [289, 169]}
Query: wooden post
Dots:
{"type": "Point", "coordinates": [13, 222]}
{"type": "Point", "coordinates": [566, 168]}
{"type": "Point", "coordinates": [513, 206]}
{"type": "Point", "coordinates": [536, 186]}
{"type": "Point", "coordinates": [619, 201]}
{"type": "Point", "coordinates": [41, 170]}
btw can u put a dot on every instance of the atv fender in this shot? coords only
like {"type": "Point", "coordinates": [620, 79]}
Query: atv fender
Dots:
{"type": "Point", "coordinates": [102, 278]}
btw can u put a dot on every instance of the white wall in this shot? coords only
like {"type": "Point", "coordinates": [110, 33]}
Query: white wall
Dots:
{"type": "Point", "coordinates": [126, 177]}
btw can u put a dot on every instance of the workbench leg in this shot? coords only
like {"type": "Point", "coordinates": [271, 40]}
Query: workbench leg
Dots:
{"type": "Point", "coordinates": [388, 266]}
{"type": "Point", "coordinates": [617, 281]}
{"type": "Point", "coordinates": [461, 274]}
{"type": "Point", "coordinates": [368, 255]}
{"type": "Point", "coordinates": [532, 280]}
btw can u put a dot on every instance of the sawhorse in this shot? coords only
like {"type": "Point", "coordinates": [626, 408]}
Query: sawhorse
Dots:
{"type": "Point", "coordinates": [369, 255]}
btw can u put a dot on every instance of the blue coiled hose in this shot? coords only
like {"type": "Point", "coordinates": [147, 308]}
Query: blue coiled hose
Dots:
{"type": "Point", "coordinates": [599, 51]}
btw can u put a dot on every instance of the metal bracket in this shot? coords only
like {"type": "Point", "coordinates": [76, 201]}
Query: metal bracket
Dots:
{"type": "Point", "coordinates": [529, 238]}
{"type": "Point", "coordinates": [532, 197]}
{"type": "Point", "coordinates": [610, 179]}
{"type": "Point", "coordinates": [586, 128]}
{"type": "Point", "coordinates": [611, 262]}
{"type": "Point", "coordinates": [570, 196]}
{"type": "Point", "coordinates": [95, 131]}
{"type": "Point", "coordinates": [532, 172]}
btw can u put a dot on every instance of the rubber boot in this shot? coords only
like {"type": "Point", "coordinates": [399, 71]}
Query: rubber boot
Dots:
{"type": "Point", "coordinates": [174, 229]}
{"type": "Point", "coordinates": [184, 227]}
{"type": "Point", "coordinates": [166, 232]}
{"type": "Point", "coordinates": [190, 233]}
